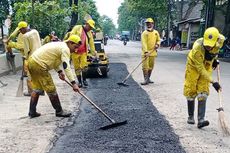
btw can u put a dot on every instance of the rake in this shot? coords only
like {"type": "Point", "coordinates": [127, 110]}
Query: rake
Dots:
{"type": "Point", "coordinates": [114, 123]}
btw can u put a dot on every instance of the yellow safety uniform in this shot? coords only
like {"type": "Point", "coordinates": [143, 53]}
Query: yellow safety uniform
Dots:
{"type": "Point", "coordinates": [19, 43]}
{"type": "Point", "coordinates": [80, 60]}
{"type": "Point", "coordinates": [32, 42]}
{"type": "Point", "coordinates": [198, 73]}
{"type": "Point", "coordinates": [46, 40]}
{"type": "Point", "coordinates": [48, 57]}
{"type": "Point", "coordinates": [149, 40]}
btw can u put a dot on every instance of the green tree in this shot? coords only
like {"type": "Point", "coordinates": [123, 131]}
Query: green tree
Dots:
{"type": "Point", "coordinates": [48, 16]}
{"type": "Point", "coordinates": [133, 12]}
{"type": "Point", "coordinates": [107, 25]}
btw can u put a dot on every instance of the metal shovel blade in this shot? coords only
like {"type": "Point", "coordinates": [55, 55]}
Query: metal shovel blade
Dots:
{"type": "Point", "coordinates": [122, 84]}
{"type": "Point", "coordinates": [113, 125]}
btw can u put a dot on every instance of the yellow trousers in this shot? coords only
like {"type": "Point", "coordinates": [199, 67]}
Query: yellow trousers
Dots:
{"type": "Point", "coordinates": [149, 63]}
{"type": "Point", "coordinates": [79, 62]}
{"type": "Point", "coordinates": [41, 79]}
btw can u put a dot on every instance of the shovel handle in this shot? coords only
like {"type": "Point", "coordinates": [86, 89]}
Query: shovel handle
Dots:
{"type": "Point", "coordinates": [136, 67]}
{"type": "Point", "coordinates": [92, 103]}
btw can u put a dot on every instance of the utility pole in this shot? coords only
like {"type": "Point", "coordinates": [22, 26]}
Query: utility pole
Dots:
{"type": "Point", "coordinates": [209, 16]}
{"type": "Point", "coordinates": [169, 21]}
{"type": "Point", "coordinates": [181, 9]}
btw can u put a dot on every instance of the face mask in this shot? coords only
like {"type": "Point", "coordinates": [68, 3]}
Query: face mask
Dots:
{"type": "Point", "coordinates": [149, 29]}
{"type": "Point", "coordinates": [209, 56]}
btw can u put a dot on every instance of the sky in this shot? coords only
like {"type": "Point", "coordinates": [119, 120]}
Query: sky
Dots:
{"type": "Point", "coordinates": [109, 8]}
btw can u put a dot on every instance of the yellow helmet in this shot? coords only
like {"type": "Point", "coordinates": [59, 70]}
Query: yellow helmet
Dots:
{"type": "Point", "coordinates": [74, 38]}
{"type": "Point", "coordinates": [91, 23]}
{"type": "Point", "coordinates": [149, 20]}
{"type": "Point", "coordinates": [211, 36]}
{"type": "Point", "coordinates": [22, 24]}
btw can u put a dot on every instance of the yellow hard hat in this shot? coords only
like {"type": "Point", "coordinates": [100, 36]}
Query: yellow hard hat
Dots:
{"type": "Point", "coordinates": [91, 23]}
{"type": "Point", "coordinates": [211, 36]}
{"type": "Point", "coordinates": [22, 24]}
{"type": "Point", "coordinates": [74, 38]}
{"type": "Point", "coordinates": [149, 20]}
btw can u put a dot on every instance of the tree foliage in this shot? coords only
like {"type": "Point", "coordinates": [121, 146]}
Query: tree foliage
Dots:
{"type": "Point", "coordinates": [48, 16]}
{"type": "Point", "coordinates": [107, 25]}
{"type": "Point", "coordinates": [4, 10]}
{"type": "Point", "coordinates": [133, 12]}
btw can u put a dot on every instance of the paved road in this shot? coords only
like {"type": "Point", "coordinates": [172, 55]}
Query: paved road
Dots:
{"type": "Point", "coordinates": [147, 130]}
{"type": "Point", "coordinates": [154, 113]}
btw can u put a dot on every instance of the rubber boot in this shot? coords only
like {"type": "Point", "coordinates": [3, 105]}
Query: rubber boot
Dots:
{"type": "Point", "coordinates": [85, 83]}
{"type": "Point", "coordinates": [149, 73]}
{"type": "Point", "coordinates": [201, 114]}
{"type": "Point", "coordinates": [79, 81]}
{"type": "Point", "coordinates": [146, 78]}
{"type": "Point", "coordinates": [191, 106]}
{"type": "Point", "coordinates": [29, 88]}
{"type": "Point", "coordinates": [54, 99]}
{"type": "Point", "coordinates": [33, 103]}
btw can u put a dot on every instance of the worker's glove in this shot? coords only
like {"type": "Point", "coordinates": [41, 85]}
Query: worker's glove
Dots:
{"type": "Point", "coordinates": [215, 64]}
{"type": "Point", "coordinates": [216, 85]}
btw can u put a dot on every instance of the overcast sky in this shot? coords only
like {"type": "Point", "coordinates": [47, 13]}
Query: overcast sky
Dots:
{"type": "Point", "coordinates": [109, 8]}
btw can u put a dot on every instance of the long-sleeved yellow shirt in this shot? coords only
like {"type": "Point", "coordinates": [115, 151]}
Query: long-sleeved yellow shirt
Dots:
{"type": "Point", "coordinates": [19, 35]}
{"type": "Point", "coordinates": [77, 30]}
{"type": "Point", "coordinates": [149, 40]}
{"type": "Point", "coordinates": [196, 59]}
{"type": "Point", "coordinates": [52, 55]}
{"type": "Point", "coordinates": [32, 42]}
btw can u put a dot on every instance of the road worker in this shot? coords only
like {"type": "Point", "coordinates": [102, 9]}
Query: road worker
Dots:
{"type": "Point", "coordinates": [10, 44]}
{"type": "Point", "coordinates": [79, 57]}
{"type": "Point", "coordinates": [50, 38]}
{"type": "Point", "coordinates": [31, 42]}
{"type": "Point", "coordinates": [46, 58]}
{"type": "Point", "coordinates": [201, 61]}
{"type": "Point", "coordinates": [150, 40]}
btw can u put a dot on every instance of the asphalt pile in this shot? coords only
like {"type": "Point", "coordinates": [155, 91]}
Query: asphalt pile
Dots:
{"type": "Point", "coordinates": [147, 130]}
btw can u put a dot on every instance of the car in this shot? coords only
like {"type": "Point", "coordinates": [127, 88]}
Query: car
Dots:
{"type": "Point", "coordinates": [99, 66]}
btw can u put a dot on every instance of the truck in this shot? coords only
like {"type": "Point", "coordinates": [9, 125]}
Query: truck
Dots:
{"type": "Point", "coordinates": [125, 34]}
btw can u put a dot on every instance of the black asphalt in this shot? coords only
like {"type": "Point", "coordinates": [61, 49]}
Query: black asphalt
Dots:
{"type": "Point", "coordinates": [147, 131]}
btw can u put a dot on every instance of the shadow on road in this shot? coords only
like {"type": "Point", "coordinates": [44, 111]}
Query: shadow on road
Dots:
{"type": "Point", "coordinates": [147, 130]}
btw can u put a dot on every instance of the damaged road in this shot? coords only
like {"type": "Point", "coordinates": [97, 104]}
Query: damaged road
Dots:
{"type": "Point", "coordinates": [147, 130]}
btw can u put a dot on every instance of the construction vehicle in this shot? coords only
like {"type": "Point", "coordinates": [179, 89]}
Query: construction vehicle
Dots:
{"type": "Point", "coordinates": [99, 66]}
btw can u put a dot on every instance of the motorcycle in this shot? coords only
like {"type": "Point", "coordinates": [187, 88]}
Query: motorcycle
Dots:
{"type": "Point", "coordinates": [125, 42]}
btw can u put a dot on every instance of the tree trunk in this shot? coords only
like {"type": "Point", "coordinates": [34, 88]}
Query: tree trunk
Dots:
{"type": "Point", "coordinates": [227, 22]}
{"type": "Point", "coordinates": [74, 16]}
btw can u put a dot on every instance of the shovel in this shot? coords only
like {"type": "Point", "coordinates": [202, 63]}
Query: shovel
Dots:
{"type": "Point", "coordinates": [113, 122]}
{"type": "Point", "coordinates": [123, 82]}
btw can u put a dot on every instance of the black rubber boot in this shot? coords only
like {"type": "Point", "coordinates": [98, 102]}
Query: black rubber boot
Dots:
{"type": "Point", "coordinates": [79, 81]}
{"type": "Point", "coordinates": [201, 114]}
{"type": "Point", "coordinates": [54, 99]}
{"type": "Point", "coordinates": [149, 73]}
{"type": "Point", "coordinates": [85, 83]}
{"type": "Point", "coordinates": [33, 104]}
{"type": "Point", "coordinates": [146, 78]}
{"type": "Point", "coordinates": [191, 106]}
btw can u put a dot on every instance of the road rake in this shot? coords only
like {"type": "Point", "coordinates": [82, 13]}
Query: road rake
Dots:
{"type": "Point", "coordinates": [114, 123]}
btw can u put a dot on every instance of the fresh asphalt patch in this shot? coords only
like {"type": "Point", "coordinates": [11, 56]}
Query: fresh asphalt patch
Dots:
{"type": "Point", "coordinates": [147, 131]}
